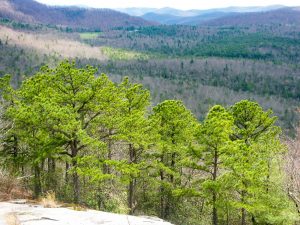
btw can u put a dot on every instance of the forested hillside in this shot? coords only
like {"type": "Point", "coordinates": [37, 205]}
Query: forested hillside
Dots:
{"type": "Point", "coordinates": [30, 11]}
{"type": "Point", "coordinates": [199, 65]}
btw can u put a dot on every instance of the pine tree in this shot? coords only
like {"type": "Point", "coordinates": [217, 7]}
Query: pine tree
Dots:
{"type": "Point", "coordinates": [254, 166]}
{"type": "Point", "coordinates": [214, 148]}
{"type": "Point", "coordinates": [60, 107]}
{"type": "Point", "coordinates": [136, 131]}
{"type": "Point", "coordinates": [176, 128]}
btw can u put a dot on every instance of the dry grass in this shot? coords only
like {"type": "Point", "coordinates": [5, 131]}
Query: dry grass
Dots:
{"type": "Point", "coordinates": [49, 201]}
{"type": "Point", "coordinates": [78, 208]}
{"type": "Point", "coordinates": [74, 207]}
{"type": "Point", "coordinates": [12, 219]}
{"type": "Point", "coordinates": [50, 44]}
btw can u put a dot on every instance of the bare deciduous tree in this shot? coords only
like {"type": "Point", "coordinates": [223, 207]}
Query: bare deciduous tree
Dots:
{"type": "Point", "coordinates": [293, 169]}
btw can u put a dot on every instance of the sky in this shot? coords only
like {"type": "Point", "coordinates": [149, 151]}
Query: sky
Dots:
{"type": "Point", "coordinates": [179, 4]}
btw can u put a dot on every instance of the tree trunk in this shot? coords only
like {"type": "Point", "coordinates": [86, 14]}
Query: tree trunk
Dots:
{"type": "Point", "coordinates": [37, 182]}
{"type": "Point", "coordinates": [131, 197]}
{"type": "Point", "coordinates": [243, 222]}
{"type": "Point", "coordinates": [66, 174]}
{"type": "Point", "coordinates": [131, 187]}
{"type": "Point", "coordinates": [167, 207]}
{"type": "Point", "coordinates": [169, 198]}
{"type": "Point", "coordinates": [106, 168]}
{"type": "Point", "coordinates": [215, 212]}
{"type": "Point", "coordinates": [76, 187]}
{"type": "Point", "coordinates": [162, 190]}
{"type": "Point", "coordinates": [243, 210]}
{"type": "Point", "coordinates": [51, 174]}
{"type": "Point", "coordinates": [15, 154]}
{"type": "Point", "coordinates": [215, 173]}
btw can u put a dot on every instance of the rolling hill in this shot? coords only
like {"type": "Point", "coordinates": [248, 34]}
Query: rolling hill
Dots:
{"type": "Point", "coordinates": [30, 11]}
{"type": "Point", "coordinates": [284, 16]}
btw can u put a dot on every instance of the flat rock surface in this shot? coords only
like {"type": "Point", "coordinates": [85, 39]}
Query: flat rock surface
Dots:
{"type": "Point", "coordinates": [28, 214]}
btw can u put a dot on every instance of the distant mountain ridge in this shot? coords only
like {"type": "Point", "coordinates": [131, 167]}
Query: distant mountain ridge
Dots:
{"type": "Point", "coordinates": [188, 20]}
{"type": "Point", "coordinates": [283, 16]}
{"type": "Point", "coordinates": [170, 16]}
{"type": "Point", "coordinates": [30, 11]}
{"type": "Point", "coordinates": [196, 12]}
{"type": "Point", "coordinates": [33, 12]}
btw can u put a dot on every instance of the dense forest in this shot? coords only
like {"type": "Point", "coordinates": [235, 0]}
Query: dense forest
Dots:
{"type": "Point", "coordinates": [101, 144]}
{"type": "Point", "coordinates": [200, 81]}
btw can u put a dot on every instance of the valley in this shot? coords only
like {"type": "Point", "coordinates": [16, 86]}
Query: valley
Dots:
{"type": "Point", "coordinates": [257, 61]}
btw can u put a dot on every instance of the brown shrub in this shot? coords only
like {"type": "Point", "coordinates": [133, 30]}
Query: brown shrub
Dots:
{"type": "Point", "coordinates": [11, 187]}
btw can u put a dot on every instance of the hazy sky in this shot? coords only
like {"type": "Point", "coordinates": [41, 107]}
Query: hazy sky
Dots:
{"type": "Point", "coordinates": [180, 4]}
